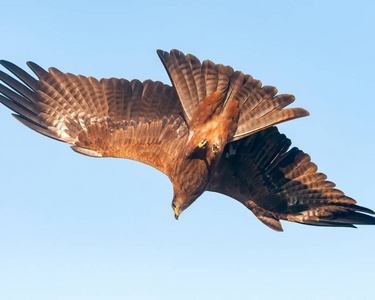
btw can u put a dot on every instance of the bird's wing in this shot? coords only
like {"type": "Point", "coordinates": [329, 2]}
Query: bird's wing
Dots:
{"type": "Point", "coordinates": [260, 107]}
{"type": "Point", "coordinates": [277, 183]}
{"type": "Point", "coordinates": [106, 118]}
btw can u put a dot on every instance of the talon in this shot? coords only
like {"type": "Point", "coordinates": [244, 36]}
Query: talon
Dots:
{"type": "Point", "coordinates": [215, 148]}
{"type": "Point", "coordinates": [203, 144]}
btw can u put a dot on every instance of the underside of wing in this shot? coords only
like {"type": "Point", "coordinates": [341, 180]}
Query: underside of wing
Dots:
{"type": "Point", "coordinates": [110, 117]}
{"type": "Point", "coordinates": [277, 183]}
{"type": "Point", "coordinates": [260, 107]}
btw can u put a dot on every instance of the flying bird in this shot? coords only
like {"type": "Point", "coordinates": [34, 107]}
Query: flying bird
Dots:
{"type": "Point", "coordinates": [213, 130]}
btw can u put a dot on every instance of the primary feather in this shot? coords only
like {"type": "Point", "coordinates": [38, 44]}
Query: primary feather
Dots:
{"type": "Point", "coordinates": [213, 130]}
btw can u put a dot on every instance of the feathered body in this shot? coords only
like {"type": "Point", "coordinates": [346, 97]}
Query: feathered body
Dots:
{"type": "Point", "coordinates": [213, 130]}
{"type": "Point", "coordinates": [215, 123]}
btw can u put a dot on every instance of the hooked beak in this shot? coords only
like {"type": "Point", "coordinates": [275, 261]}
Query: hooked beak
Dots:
{"type": "Point", "coordinates": [176, 213]}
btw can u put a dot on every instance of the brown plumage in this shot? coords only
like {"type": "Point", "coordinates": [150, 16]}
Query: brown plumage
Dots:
{"type": "Point", "coordinates": [213, 130]}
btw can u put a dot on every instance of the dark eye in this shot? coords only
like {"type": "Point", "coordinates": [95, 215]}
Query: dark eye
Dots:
{"type": "Point", "coordinates": [173, 205]}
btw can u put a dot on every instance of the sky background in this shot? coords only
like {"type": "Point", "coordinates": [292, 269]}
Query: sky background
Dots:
{"type": "Point", "coordinates": [74, 227]}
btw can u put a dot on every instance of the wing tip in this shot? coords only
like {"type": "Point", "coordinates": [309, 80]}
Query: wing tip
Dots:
{"type": "Point", "coordinates": [4, 62]}
{"type": "Point", "coordinates": [364, 209]}
{"type": "Point", "coordinates": [346, 219]}
{"type": "Point", "coordinates": [8, 65]}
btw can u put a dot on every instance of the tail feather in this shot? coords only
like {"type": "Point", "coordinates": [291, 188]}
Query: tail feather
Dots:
{"type": "Point", "coordinates": [196, 68]}
{"type": "Point", "coordinates": [251, 126]}
{"type": "Point", "coordinates": [260, 108]}
{"type": "Point", "coordinates": [236, 82]}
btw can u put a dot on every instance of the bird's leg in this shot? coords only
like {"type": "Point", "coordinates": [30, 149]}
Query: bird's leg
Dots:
{"type": "Point", "coordinates": [194, 148]}
{"type": "Point", "coordinates": [215, 148]}
{"type": "Point", "coordinates": [203, 144]}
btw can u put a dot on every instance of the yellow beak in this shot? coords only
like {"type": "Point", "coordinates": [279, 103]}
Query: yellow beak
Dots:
{"type": "Point", "coordinates": [176, 213]}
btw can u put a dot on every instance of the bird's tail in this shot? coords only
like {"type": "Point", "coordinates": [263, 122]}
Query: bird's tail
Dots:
{"type": "Point", "coordinates": [260, 108]}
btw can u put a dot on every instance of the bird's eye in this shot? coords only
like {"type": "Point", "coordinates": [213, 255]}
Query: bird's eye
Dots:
{"type": "Point", "coordinates": [173, 205]}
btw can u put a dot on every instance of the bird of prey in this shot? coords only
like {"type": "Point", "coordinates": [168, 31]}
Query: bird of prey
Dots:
{"type": "Point", "coordinates": [213, 130]}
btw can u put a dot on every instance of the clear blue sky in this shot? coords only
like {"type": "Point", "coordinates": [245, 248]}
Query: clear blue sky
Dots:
{"type": "Point", "coordinates": [74, 227]}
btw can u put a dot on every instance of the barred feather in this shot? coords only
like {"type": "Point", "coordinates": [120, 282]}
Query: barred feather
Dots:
{"type": "Point", "coordinates": [110, 117]}
{"type": "Point", "coordinates": [279, 184]}
{"type": "Point", "coordinates": [259, 108]}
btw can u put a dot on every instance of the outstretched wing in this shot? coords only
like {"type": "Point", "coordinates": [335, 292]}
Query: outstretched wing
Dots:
{"type": "Point", "coordinates": [260, 108]}
{"type": "Point", "coordinates": [110, 117]}
{"type": "Point", "coordinates": [275, 184]}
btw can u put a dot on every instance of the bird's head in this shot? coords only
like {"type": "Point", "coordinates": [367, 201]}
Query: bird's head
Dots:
{"type": "Point", "coordinates": [189, 182]}
{"type": "Point", "coordinates": [176, 210]}
{"type": "Point", "coordinates": [179, 205]}
{"type": "Point", "coordinates": [181, 202]}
